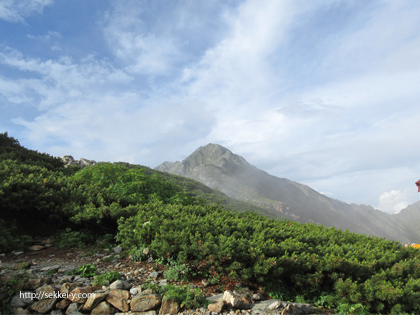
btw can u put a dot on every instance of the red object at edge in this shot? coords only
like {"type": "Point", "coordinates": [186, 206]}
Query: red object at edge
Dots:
{"type": "Point", "coordinates": [418, 185]}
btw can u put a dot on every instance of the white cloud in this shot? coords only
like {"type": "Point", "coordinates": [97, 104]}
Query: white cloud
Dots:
{"type": "Point", "coordinates": [17, 10]}
{"type": "Point", "coordinates": [393, 201]}
{"type": "Point", "coordinates": [142, 50]}
{"type": "Point", "coordinates": [62, 80]}
{"type": "Point", "coordinates": [50, 35]}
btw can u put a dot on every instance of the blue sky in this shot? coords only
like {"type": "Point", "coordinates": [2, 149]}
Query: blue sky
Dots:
{"type": "Point", "coordinates": [325, 93]}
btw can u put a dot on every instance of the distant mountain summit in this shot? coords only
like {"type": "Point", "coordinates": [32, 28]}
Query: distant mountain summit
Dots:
{"type": "Point", "coordinates": [220, 169]}
{"type": "Point", "coordinates": [210, 156]}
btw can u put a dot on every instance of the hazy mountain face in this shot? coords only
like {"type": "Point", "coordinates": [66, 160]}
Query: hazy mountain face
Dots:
{"type": "Point", "coordinates": [218, 168]}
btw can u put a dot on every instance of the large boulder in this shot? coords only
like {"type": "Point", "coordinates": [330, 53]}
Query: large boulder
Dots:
{"type": "Point", "coordinates": [142, 303]}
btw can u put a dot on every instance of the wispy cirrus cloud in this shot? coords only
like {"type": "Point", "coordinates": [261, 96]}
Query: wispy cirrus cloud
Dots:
{"type": "Point", "coordinates": [16, 11]}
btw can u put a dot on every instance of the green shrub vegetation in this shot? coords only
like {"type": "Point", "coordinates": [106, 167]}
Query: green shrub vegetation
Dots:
{"type": "Point", "coordinates": [181, 222]}
{"type": "Point", "coordinates": [106, 278]}
{"type": "Point", "coordinates": [84, 271]}
{"type": "Point", "coordinates": [187, 297]}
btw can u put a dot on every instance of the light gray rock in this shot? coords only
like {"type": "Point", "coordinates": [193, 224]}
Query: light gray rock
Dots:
{"type": "Point", "coordinates": [120, 284]}
{"type": "Point", "coordinates": [69, 160]}
{"type": "Point", "coordinates": [236, 300]}
{"type": "Point", "coordinates": [21, 300]}
{"type": "Point", "coordinates": [216, 307]}
{"type": "Point", "coordinates": [73, 309]}
{"type": "Point", "coordinates": [154, 274]}
{"type": "Point", "coordinates": [20, 311]}
{"type": "Point", "coordinates": [103, 309]}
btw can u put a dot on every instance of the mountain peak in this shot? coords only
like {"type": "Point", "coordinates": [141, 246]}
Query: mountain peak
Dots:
{"type": "Point", "coordinates": [216, 155]}
{"type": "Point", "coordinates": [211, 155]}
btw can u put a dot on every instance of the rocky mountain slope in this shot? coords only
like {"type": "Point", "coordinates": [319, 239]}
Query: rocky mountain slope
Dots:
{"type": "Point", "coordinates": [218, 168]}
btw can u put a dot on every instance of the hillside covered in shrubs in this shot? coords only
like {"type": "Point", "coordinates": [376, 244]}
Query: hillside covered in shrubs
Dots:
{"type": "Point", "coordinates": [181, 221]}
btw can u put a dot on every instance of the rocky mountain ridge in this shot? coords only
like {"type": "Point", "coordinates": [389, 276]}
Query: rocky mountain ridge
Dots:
{"type": "Point", "coordinates": [218, 168]}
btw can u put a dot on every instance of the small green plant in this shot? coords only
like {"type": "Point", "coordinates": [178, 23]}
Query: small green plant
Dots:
{"type": "Point", "coordinates": [300, 299]}
{"type": "Point", "coordinates": [357, 308]}
{"type": "Point", "coordinates": [84, 271]}
{"type": "Point", "coordinates": [324, 300]}
{"type": "Point", "coordinates": [23, 266]}
{"type": "Point", "coordinates": [187, 297]}
{"type": "Point", "coordinates": [87, 270]}
{"type": "Point", "coordinates": [138, 253]}
{"type": "Point", "coordinates": [106, 278]}
{"type": "Point", "coordinates": [214, 279]}
{"type": "Point", "coordinates": [159, 261]}
{"type": "Point", "coordinates": [176, 271]}
{"type": "Point", "coordinates": [152, 286]}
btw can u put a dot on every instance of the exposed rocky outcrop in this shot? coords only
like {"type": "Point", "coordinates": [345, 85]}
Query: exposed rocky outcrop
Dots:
{"type": "Point", "coordinates": [69, 160]}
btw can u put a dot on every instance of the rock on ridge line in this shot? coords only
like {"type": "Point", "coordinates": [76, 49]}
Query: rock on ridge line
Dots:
{"type": "Point", "coordinates": [69, 160]}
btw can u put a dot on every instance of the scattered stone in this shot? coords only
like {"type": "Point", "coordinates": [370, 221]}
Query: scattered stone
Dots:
{"type": "Point", "coordinates": [118, 298]}
{"type": "Point", "coordinates": [258, 297]}
{"type": "Point", "coordinates": [93, 300]}
{"type": "Point", "coordinates": [21, 311]}
{"type": "Point", "coordinates": [47, 241]}
{"type": "Point", "coordinates": [142, 303]}
{"type": "Point", "coordinates": [21, 300]}
{"type": "Point", "coordinates": [135, 290]}
{"type": "Point", "coordinates": [154, 274]}
{"type": "Point", "coordinates": [237, 300]}
{"type": "Point", "coordinates": [33, 284]}
{"type": "Point", "coordinates": [17, 253]}
{"type": "Point", "coordinates": [120, 284]}
{"type": "Point", "coordinates": [79, 295]}
{"type": "Point", "coordinates": [45, 292]}
{"type": "Point", "coordinates": [36, 247]}
{"type": "Point", "coordinates": [169, 307]}
{"type": "Point", "coordinates": [274, 305]}
{"type": "Point", "coordinates": [118, 249]}
{"type": "Point", "coordinates": [69, 160]}
{"type": "Point", "coordinates": [63, 304]}
{"type": "Point", "coordinates": [67, 287]}
{"type": "Point", "coordinates": [73, 309]}
{"type": "Point", "coordinates": [163, 282]}
{"type": "Point", "coordinates": [44, 306]}
{"type": "Point", "coordinates": [216, 307]}
{"type": "Point", "coordinates": [215, 298]}
{"type": "Point", "coordinates": [103, 308]}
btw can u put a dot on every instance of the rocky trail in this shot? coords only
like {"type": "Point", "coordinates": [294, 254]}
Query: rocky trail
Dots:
{"type": "Point", "coordinates": [41, 280]}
